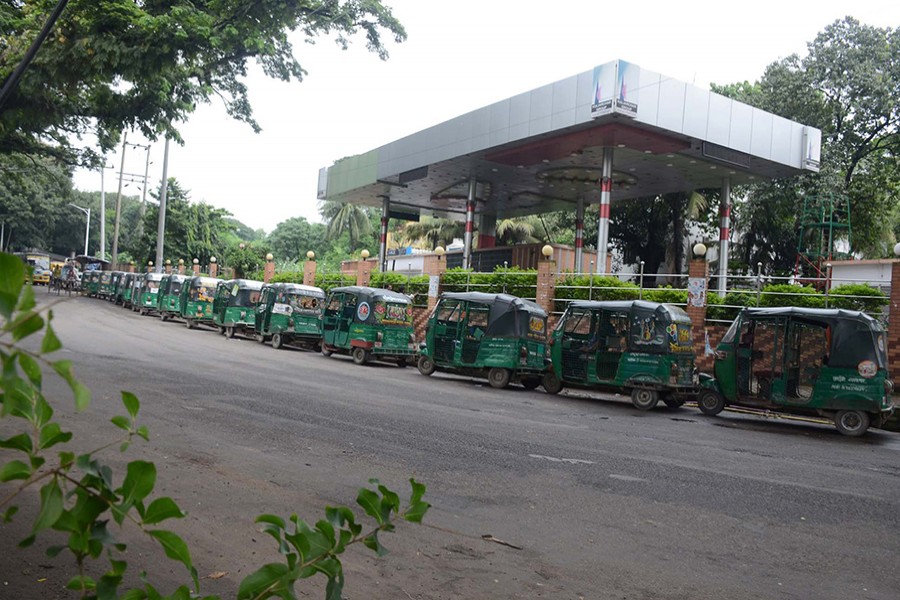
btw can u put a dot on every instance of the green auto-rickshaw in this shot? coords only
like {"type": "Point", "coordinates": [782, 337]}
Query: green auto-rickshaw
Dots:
{"type": "Point", "coordinates": [91, 283]}
{"type": "Point", "coordinates": [497, 336]}
{"type": "Point", "coordinates": [290, 313]}
{"type": "Point", "coordinates": [104, 289]}
{"type": "Point", "coordinates": [644, 348]}
{"type": "Point", "coordinates": [817, 362]}
{"type": "Point", "coordinates": [234, 307]}
{"type": "Point", "coordinates": [169, 296]}
{"type": "Point", "coordinates": [125, 289]}
{"type": "Point", "coordinates": [147, 292]}
{"type": "Point", "coordinates": [115, 281]}
{"type": "Point", "coordinates": [367, 323]}
{"type": "Point", "coordinates": [195, 303]}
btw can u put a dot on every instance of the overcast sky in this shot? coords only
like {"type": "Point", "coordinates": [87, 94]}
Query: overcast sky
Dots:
{"type": "Point", "coordinates": [459, 56]}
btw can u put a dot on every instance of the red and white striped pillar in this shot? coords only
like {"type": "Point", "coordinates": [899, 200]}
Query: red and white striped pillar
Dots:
{"type": "Point", "coordinates": [605, 194]}
{"type": "Point", "coordinates": [579, 235]}
{"type": "Point", "coordinates": [382, 246]}
{"type": "Point", "coordinates": [470, 225]}
{"type": "Point", "coordinates": [724, 235]}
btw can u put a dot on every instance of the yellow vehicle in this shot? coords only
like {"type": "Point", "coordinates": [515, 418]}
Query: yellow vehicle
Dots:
{"type": "Point", "coordinates": [39, 265]}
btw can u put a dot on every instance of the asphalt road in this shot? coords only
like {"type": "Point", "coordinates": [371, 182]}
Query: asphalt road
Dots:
{"type": "Point", "coordinates": [592, 498]}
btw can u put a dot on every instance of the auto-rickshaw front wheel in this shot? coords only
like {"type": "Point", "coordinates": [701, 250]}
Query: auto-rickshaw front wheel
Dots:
{"type": "Point", "coordinates": [851, 423]}
{"type": "Point", "coordinates": [360, 356]}
{"type": "Point", "coordinates": [277, 341]}
{"type": "Point", "coordinates": [498, 378]}
{"type": "Point", "coordinates": [710, 403]}
{"type": "Point", "coordinates": [425, 365]}
{"type": "Point", "coordinates": [229, 332]}
{"type": "Point", "coordinates": [644, 399]}
{"type": "Point", "coordinates": [551, 383]}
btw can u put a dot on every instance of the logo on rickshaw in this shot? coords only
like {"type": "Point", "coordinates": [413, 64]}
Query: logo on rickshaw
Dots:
{"type": "Point", "coordinates": [672, 330]}
{"type": "Point", "coordinates": [362, 311]}
{"type": "Point", "coordinates": [536, 324]}
{"type": "Point", "coordinates": [867, 369]}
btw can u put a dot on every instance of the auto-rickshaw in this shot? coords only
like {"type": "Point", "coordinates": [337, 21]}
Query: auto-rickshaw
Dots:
{"type": "Point", "coordinates": [169, 296]}
{"type": "Point", "coordinates": [195, 303]}
{"type": "Point", "coordinates": [644, 348]}
{"type": "Point", "coordinates": [291, 313]}
{"type": "Point", "coordinates": [816, 362]}
{"type": "Point", "coordinates": [91, 283]}
{"type": "Point", "coordinates": [234, 307]}
{"type": "Point", "coordinates": [105, 289]}
{"type": "Point", "coordinates": [117, 285]}
{"type": "Point", "coordinates": [147, 292]}
{"type": "Point", "coordinates": [125, 289]}
{"type": "Point", "coordinates": [368, 323]}
{"type": "Point", "coordinates": [497, 336]}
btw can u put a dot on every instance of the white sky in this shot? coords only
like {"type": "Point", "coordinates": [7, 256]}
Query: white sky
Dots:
{"type": "Point", "coordinates": [459, 56]}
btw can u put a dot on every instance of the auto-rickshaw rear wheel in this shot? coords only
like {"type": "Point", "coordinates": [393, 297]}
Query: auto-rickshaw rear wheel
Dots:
{"type": "Point", "coordinates": [425, 365]}
{"type": "Point", "coordinates": [229, 332]}
{"type": "Point", "coordinates": [531, 383]}
{"type": "Point", "coordinates": [551, 383]}
{"type": "Point", "coordinates": [644, 399]}
{"type": "Point", "coordinates": [498, 378]}
{"type": "Point", "coordinates": [261, 338]}
{"type": "Point", "coordinates": [326, 351]}
{"type": "Point", "coordinates": [360, 355]}
{"type": "Point", "coordinates": [163, 316]}
{"type": "Point", "coordinates": [710, 403]}
{"type": "Point", "coordinates": [277, 341]}
{"type": "Point", "coordinates": [189, 323]}
{"type": "Point", "coordinates": [401, 362]}
{"type": "Point", "coordinates": [851, 423]}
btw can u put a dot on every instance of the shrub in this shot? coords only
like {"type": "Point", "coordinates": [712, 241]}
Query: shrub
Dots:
{"type": "Point", "coordinates": [857, 296]}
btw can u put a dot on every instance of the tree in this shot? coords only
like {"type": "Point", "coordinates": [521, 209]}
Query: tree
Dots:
{"type": "Point", "coordinates": [432, 232]}
{"type": "Point", "coordinates": [32, 193]}
{"type": "Point", "coordinates": [293, 238]}
{"type": "Point", "coordinates": [849, 87]}
{"type": "Point", "coordinates": [111, 65]}
{"type": "Point", "coordinates": [345, 217]}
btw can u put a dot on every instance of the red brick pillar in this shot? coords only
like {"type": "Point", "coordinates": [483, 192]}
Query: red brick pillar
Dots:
{"type": "Point", "coordinates": [698, 277]}
{"type": "Point", "coordinates": [150, 267]}
{"type": "Point", "coordinates": [213, 267]}
{"type": "Point", "coordinates": [168, 267]}
{"type": "Point", "coordinates": [309, 272]}
{"type": "Point", "coordinates": [893, 333]}
{"type": "Point", "coordinates": [269, 270]}
{"type": "Point", "coordinates": [546, 285]}
{"type": "Point", "coordinates": [434, 266]}
{"type": "Point", "coordinates": [181, 266]}
{"type": "Point", "coordinates": [364, 271]}
{"type": "Point", "coordinates": [196, 266]}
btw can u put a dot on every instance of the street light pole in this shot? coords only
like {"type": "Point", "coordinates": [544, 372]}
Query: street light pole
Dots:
{"type": "Point", "coordinates": [87, 225]}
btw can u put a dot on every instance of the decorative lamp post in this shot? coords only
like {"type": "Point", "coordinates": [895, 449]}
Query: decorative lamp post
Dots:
{"type": "Point", "coordinates": [269, 271]}
{"type": "Point", "coordinates": [364, 254]}
{"type": "Point", "coordinates": [311, 255]}
{"type": "Point", "coordinates": [699, 249]}
{"type": "Point", "coordinates": [213, 267]}
{"type": "Point", "coordinates": [440, 252]}
{"type": "Point", "coordinates": [196, 263]}
{"type": "Point", "coordinates": [547, 251]}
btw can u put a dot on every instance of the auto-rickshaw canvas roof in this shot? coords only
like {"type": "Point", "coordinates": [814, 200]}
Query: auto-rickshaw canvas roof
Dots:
{"type": "Point", "coordinates": [673, 313]}
{"type": "Point", "coordinates": [374, 294]}
{"type": "Point", "coordinates": [308, 290]}
{"type": "Point", "coordinates": [503, 302]}
{"type": "Point", "coordinates": [829, 315]}
{"type": "Point", "coordinates": [246, 284]}
{"type": "Point", "coordinates": [201, 281]}
{"type": "Point", "coordinates": [154, 277]}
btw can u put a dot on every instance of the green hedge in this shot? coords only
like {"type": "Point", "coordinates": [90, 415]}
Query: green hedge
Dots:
{"type": "Point", "coordinates": [504, 280]}
{"type": "Point", "coordinates": [850, 296]}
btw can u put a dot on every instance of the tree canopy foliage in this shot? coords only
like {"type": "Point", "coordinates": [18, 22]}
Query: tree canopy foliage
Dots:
{"type": "Point", "coordinates": [112, 65]}
{"type": "Point", "coordinates": [848, 86]}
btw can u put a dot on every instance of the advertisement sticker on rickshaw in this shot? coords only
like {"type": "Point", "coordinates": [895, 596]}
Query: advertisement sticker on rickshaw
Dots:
{"type": "Point", "coordinates": [235, 289]}
{"type": "Point", "coordinates": [362, 311]}
{"type": "Point", "coordinates": [536, 325]}
{"type": "Point", "coordinates": [867, 369]}
{"type": "Point", "coordinates": [282, 309]}
{"type": "Point", "coordinates": [392, 314]}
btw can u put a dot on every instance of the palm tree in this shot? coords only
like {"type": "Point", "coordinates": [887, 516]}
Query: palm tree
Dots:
{"type": "Point", "coordinates": [347, 217]}
{"type": "Point", "coordinates": [432, 232]}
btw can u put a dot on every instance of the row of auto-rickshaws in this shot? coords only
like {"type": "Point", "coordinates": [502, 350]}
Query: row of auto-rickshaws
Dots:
{"type": "Point", "coordinates": [812, 362]}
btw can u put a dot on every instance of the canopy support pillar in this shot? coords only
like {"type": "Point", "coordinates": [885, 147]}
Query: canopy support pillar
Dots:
{"type": "Point", "coordinates": [382, 245]}
{"type": "Point", "coordinates": [470, 225]}
{"type": "Point", "coordinates": [603, 226]}
{"type": "Point", "coordinates": [579, 235]}
{"type": "Point", "coordinates": [724, 234]}
{"type": "Point", "coordinates": [487, 231]}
